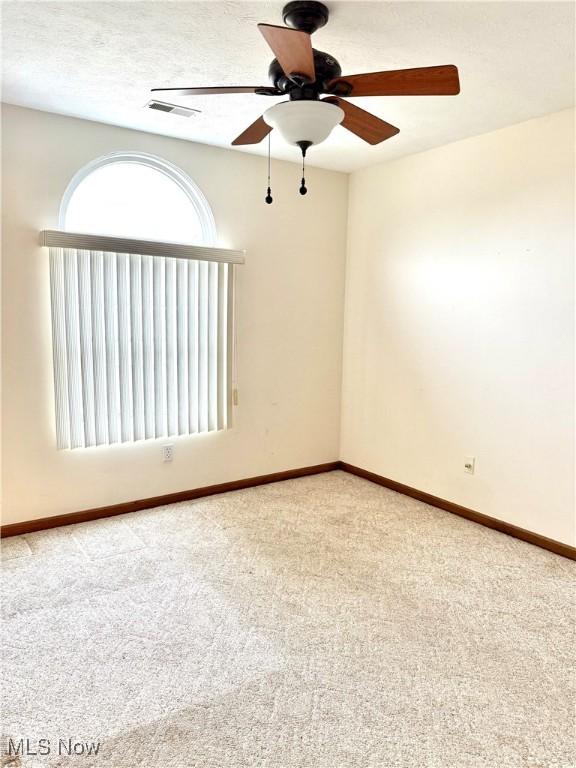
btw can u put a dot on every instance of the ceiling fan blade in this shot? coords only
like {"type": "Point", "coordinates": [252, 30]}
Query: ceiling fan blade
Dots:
{"type": "Point", "coordinates": [421, 81]}
{"type": "Point", "coordinates": [265, 90]}
{"type": "Point", "coordinates": [292, 48]}
{"type": "Point", "coordinates": [365, 125]}
{"type": "Point", "coordinates": [254, 133]}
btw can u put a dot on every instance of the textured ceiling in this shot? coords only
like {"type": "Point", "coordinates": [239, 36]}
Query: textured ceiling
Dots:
{"type": "Point", "coordinates": [97, 60]}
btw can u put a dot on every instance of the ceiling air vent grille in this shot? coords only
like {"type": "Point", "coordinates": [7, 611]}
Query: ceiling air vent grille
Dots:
{"type": "Point", "coordinates": [173, 109]}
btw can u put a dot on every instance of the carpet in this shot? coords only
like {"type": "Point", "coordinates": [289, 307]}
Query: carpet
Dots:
{"type": "Point", "coordinates": [323, 622]}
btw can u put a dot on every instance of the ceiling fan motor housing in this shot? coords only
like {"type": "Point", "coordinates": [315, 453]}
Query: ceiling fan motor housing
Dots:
{"type": "Point", "coordinates": [326, 67]}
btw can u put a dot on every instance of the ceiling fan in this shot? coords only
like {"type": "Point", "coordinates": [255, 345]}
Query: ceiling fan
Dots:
{"type": "Point", "coordinates": [316, 89]}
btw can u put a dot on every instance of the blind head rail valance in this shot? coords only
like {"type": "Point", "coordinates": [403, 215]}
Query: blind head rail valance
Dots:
{"type": "Point", "coordinates": [54, 238]}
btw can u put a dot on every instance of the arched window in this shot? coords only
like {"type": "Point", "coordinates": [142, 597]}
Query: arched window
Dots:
{"type": "Point", "coordinates": [139, 196]}
{"type": "Point", "coordinates": [141, 306]}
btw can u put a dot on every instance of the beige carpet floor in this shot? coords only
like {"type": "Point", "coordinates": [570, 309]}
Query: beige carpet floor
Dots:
{"type": "Point", "coordinates": [323, 622]}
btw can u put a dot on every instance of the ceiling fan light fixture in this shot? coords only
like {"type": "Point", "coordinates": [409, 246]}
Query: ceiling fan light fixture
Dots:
{"type": "Point", "coordinates": [304, 121]}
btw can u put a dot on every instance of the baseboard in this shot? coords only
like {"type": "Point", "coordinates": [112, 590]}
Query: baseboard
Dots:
{"type": "Point", "coordinates": [477, 517]}
{"type": "Point", "coordinates": [30, 526]}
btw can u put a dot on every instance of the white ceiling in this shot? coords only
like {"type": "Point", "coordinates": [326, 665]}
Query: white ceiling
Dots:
{"type": "Point", "coordinates": [97, 60]}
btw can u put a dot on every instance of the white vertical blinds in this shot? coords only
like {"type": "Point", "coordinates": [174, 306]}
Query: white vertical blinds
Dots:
{"type": "Point", "coordinates": [142, 345]}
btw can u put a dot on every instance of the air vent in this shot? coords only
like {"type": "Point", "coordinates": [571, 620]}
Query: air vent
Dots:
{"type": "Point", "coordinates": [161, 107]}
{"type": "Point", "coordinates": [173, 109]}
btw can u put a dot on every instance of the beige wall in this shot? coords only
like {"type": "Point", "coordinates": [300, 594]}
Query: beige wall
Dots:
{"type": "Point", "coordinates": [459, 332]}
{"type": "Point", "coordinates": [459, 324]}
{"type": "Point", "coordinates": [290, 296]}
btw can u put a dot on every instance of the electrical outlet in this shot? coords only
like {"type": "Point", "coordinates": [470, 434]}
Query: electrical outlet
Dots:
{"type": "Point", "coordinates": [469, 464]}
{"type": "Point", "coordinates": [167, 452]}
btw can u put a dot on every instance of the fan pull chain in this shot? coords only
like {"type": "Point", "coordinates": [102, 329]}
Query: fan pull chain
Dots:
{"type": "Point", "coordinates": [303, 147]}
{"type": "Point", "coordinates": [269, 199]}
{"type": "Point", "coordinates": [303, 188]}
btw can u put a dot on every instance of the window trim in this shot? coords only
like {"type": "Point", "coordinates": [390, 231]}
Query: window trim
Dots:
{"type": "Point", "coordinates": [186, 184]}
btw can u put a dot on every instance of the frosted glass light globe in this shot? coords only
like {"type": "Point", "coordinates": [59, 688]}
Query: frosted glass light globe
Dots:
{"type": "Point", "coordinates": [310, 121]}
